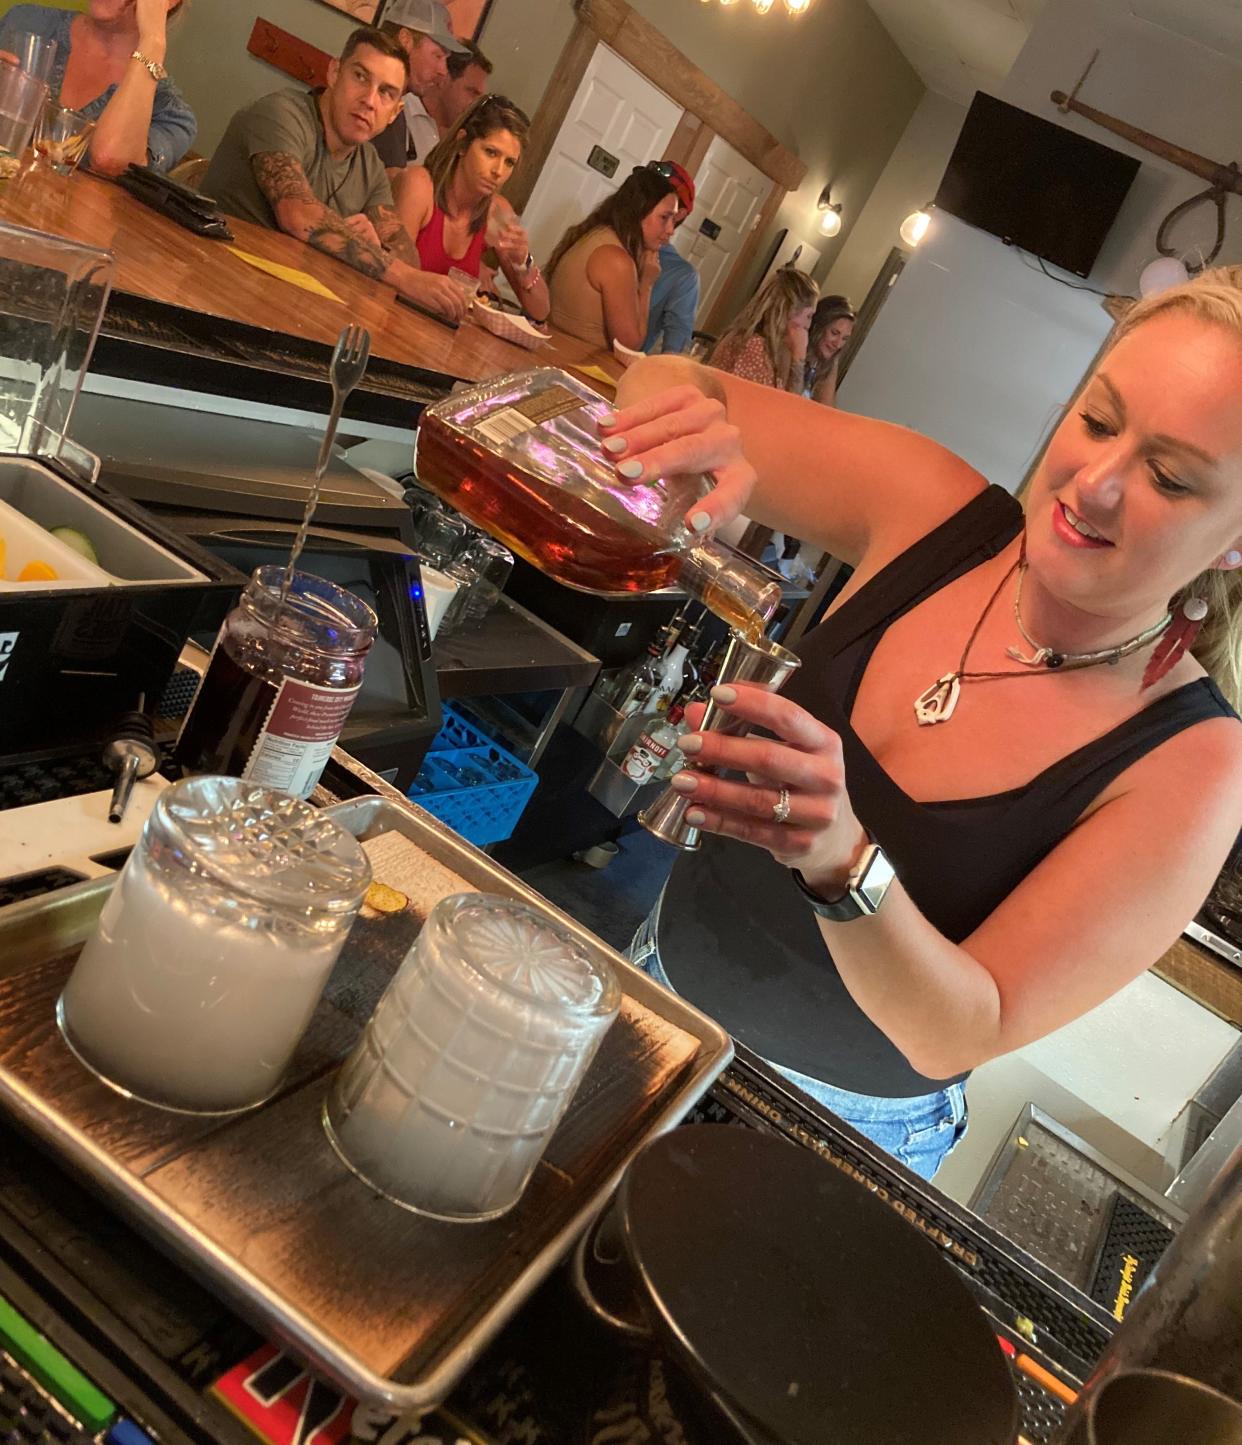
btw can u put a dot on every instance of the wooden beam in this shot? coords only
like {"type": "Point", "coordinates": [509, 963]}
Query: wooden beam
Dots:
{"type": "Point", "coordinates": [295, 57]}
{"type": "Point", "coordinates": [689, 142]}
{"type": "Point", "coordinates": [553, 108]}
{"type": "Point", "coordinates": [652, 54]}
{"type": "Point", "coordinates": [726, 304]}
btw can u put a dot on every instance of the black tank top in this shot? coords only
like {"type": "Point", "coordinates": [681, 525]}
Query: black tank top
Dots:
{"type": "Point", "coordinates": [736, 937]}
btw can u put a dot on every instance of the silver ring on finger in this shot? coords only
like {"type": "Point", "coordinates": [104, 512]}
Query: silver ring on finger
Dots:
{"type": "Point", "coordinates": [780, 809]}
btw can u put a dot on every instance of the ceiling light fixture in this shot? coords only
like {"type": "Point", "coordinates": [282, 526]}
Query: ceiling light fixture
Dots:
{"type": "Point", "coordinates": [763, 7]}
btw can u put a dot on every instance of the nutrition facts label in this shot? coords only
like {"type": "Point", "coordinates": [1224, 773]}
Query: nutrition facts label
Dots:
{"type": "Point", "coordinates": [298, 737]}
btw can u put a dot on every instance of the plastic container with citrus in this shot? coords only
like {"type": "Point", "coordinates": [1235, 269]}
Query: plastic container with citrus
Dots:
{"type": "Point", "coordinates": [31, 556]}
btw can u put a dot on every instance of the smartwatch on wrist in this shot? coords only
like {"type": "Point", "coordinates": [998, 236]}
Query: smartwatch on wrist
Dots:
{"type": "Point", "coordinates": [868, 882]}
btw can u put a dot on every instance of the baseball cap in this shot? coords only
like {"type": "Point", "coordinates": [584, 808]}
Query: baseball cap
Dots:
{"type": "Point", "coordinates": [426, 17]}
{"type": "Point", "coordinates": [683, 181]}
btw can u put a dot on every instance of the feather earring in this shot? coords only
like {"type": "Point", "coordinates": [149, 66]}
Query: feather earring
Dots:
{"type": "Point", "coordinates": [1178, 639]}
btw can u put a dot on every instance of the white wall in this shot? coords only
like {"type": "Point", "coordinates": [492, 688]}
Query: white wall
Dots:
{"type": "Point", "coordinates": [1179, 90]}
{"type": "Point", "coordinates": [976, 348]}
{"type": "Point", "coordinates": [909, 181]}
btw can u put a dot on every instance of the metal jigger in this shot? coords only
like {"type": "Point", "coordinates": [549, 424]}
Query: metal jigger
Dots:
{"type": "Point", "coordinates": [765, 664]}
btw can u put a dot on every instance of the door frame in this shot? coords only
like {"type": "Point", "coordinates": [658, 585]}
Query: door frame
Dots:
{"type": "Point", "coordinates": [710, 111]}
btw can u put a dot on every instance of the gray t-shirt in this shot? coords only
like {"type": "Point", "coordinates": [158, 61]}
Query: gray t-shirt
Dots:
{"type": "Point", "coordinates": [289, 121]}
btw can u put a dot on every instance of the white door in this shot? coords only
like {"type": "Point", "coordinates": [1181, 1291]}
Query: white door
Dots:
{"type": "Point", "coordinates": [730, 194]}
{"type": "Point", "coordinates": [616, 110]}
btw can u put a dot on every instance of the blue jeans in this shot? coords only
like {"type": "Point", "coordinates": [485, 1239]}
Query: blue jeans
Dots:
{"type": "Point", "coordinates": [921, 1131]}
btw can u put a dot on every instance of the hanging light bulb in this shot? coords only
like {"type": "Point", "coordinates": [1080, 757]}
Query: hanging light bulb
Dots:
{"type": "Point", "coordinates": [914, 227]}
{"type": "Point", "coordinates": [727, 3]}
{"type": "Point", "coordinates": [1160, 274]}
{"type": "Point", "coordinates": [797, 7]}
{"type": "Point", "coordinates": [830, 210]}
{"type": "Point", "coordinates": [763, 6]}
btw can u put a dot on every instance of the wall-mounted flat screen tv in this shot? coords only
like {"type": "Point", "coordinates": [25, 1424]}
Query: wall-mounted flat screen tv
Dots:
{"type": "Point", "coordinates": [1034, 184]}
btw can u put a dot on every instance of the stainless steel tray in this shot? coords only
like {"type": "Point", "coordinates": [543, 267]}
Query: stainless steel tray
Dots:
{"type": "Point", "coordinates": [391, 1306]}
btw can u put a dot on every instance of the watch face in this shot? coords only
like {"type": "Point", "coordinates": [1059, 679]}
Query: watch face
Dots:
{"type": "Point", "coordinates": [877, 876]}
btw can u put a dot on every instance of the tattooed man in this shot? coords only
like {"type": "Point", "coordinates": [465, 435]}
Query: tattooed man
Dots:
{"type": "Point", "coordinates": [302, 162]}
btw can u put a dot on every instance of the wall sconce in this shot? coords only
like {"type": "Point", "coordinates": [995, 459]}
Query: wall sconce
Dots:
{"type": "Point", "coordinates": [914, 227]}
{"type": "Point", "coordinates": [830, 220]}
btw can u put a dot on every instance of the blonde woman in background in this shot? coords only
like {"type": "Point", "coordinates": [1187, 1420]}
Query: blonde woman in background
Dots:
{"type": "Point", "coordinates": [768, 341]}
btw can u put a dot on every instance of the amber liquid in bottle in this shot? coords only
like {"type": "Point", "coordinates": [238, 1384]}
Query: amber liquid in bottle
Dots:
{"type": "Point", "coordinates": [556, 531]}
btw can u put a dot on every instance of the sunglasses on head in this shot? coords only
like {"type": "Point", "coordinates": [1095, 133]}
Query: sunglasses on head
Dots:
{"type": "Point", "coordinates": [671, 173]}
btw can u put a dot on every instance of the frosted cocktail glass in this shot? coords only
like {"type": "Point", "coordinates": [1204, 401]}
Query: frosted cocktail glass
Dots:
{"type": "Point", "coordinates": [214, 947]}
{"type": "Point", "coordinates": [471, 1058]}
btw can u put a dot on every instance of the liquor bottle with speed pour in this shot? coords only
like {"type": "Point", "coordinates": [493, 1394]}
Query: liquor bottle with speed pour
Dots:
{"type": "Point", "coordinates": [521, 456]}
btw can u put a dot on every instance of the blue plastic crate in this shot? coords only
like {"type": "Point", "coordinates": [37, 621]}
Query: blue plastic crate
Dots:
{"type": "Point", "coordinates": [472, 783]}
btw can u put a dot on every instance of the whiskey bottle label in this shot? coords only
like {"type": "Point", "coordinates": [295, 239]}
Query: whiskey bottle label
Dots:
{"type": "Point", "coordinates": [515, 419]}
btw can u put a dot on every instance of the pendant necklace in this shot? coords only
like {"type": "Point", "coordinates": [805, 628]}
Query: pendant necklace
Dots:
{"type": "Point", "coordinates": [936, 704]}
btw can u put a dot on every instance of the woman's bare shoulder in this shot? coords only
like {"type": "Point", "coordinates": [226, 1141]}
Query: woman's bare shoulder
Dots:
{"type": "Point", "coordinates": [610, 261]}
{"type": "Point", "coordinates": [415, 188]}
{"type": "Point", "coordinates": [929, 486]}
{"type": "Point", "coordinates": [1191, 782]}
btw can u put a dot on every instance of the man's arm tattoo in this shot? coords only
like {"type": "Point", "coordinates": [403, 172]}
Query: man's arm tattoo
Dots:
{"type": "Point", "coordinates": [333, 237]}
{"type": "Point", "coordinates": [393, 234]}
{"type": "Point", "coordinates": [281, 178]}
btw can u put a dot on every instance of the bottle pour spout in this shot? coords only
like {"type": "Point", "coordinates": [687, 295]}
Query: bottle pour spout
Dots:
{"type": "Point", "coordinates": [730, 585]}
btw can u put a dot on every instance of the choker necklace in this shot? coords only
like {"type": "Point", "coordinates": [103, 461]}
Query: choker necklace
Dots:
{"type": "Point", "coordinates": [936, 704]}
{"type": "Point", "coordinates": [1047, 657]}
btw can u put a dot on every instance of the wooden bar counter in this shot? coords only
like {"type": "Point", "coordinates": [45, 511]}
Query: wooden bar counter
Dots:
{"type": "Point", "coordinates": [161, 261]}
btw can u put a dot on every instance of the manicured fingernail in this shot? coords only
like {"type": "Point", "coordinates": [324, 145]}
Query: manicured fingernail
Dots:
{"type": "Point", "coordinates": [607, 418]}
{"type": "Point", "coordinates": [692, 743]}
{"type": "Point", "coordinates": [696, 817]}
{"type": "Point", "coordinates": [684, 782]}
{"type": "Point", "coordinates": [615, 445]}
{"type": "Point", "coordinates": [631, 471]}
{"type": "Point", "coordinates": [724, 695]}
{"type": "Point", "coordinates": [701, 521]}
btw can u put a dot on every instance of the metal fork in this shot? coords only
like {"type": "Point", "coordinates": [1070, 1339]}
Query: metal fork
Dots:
{"type": "Point", "coordinates": [347, 368]}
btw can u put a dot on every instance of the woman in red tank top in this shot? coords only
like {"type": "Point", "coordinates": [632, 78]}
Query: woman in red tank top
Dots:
{"type": "Point", "coordinates": [452, 207]}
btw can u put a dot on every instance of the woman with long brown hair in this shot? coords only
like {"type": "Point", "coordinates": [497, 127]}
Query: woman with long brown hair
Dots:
{"type": "Point", "coordinates": [453, 208]}
{"type": "Point", "coordinates": [603, 269]}
{"type": "Point", "coordinates": [831, 328]}
{"type": "Point", "coordinates": [768, 341]}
